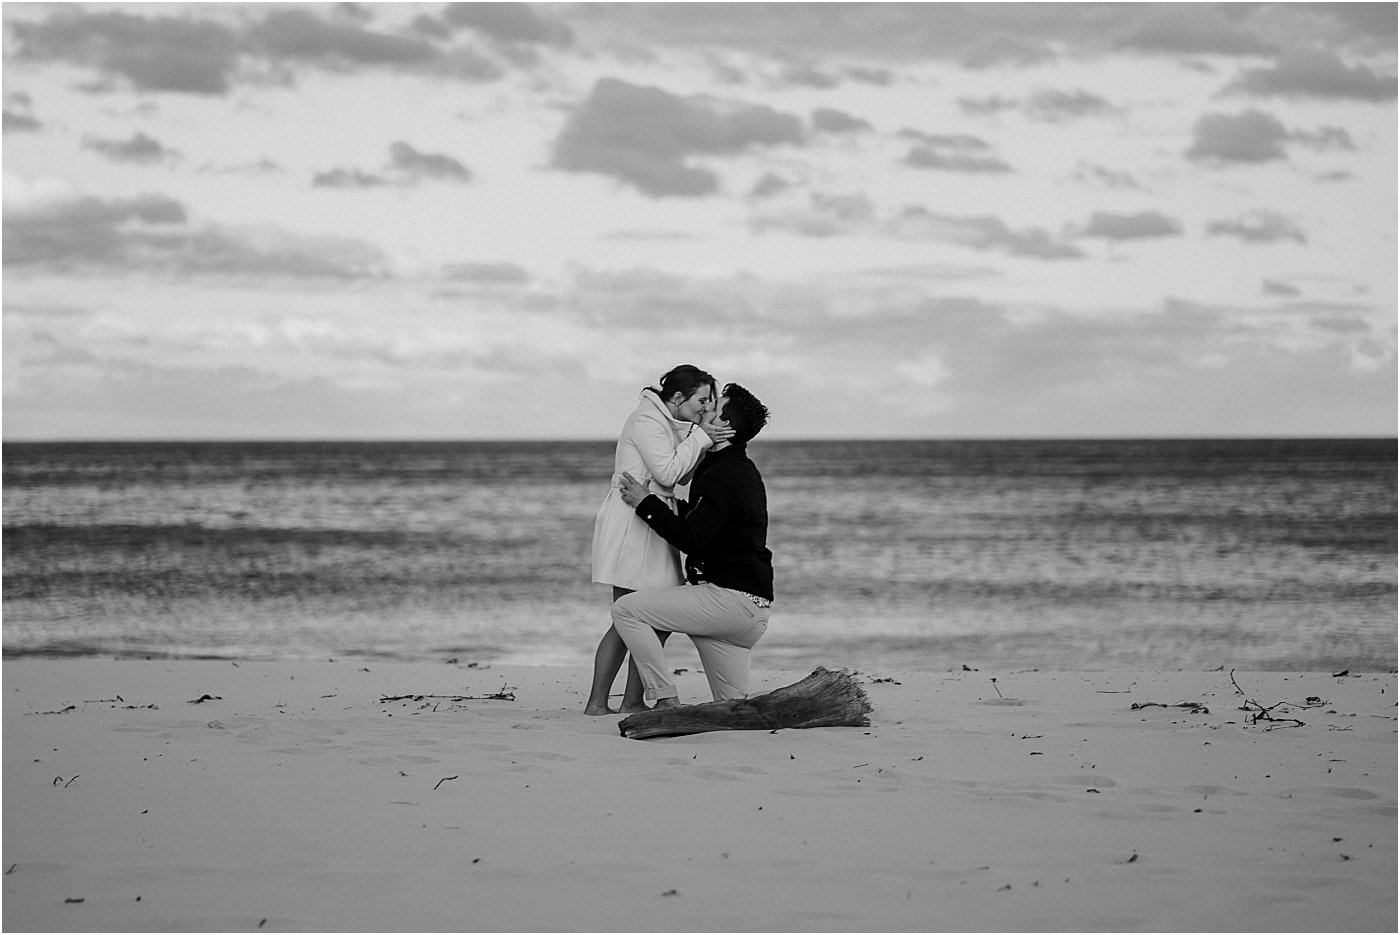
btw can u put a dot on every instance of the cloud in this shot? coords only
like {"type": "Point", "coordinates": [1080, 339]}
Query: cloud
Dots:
{"type": "Point", "coordinates": [1338, 325]}
{"type": "Point", "coordinates": [807, 75]}
{"type": "Point", "coordinates": [1046, 106]}
{"type": "Point", "coordinates": [1275, 287]}
{"type": "Point", "coordinates": [262, 251]}
{"type": "Point", "coordinates": [981, 233]}
{"type": "Point", "coordinates": [1140, 226]}
{"type": "Point", "coordinates": [985, 34]}
{"type": "Point", "coordinates": [261, 167]}
{"type": "Point", "coordinates": [406, 166]}
{"type": "Point", "coordinates": [19, 113]}
{"type": "Point", "coordinates": [84, 229]}
{"type": "Point", "coordinates": [1196, 28]}
{"type": "Point", "coordinates": [1325, 138]}
{"type": "Point", "coordinates": [643, 136]}
{"type": "Point", "coordinates": [1003, 50]}
{"type": "Point", "coordinates": [769, 185]}
{"type": "Point", "coordinates": [1252, 136]}
{"type": "Point", "coordinates": [151, 232]}
{"type": "Point", "coordinates": [1056, 106]}
{"type": "Point", "coordinates": [154, 54]}
{"type": "Point", "coordinates": [830, 120]}
{"type": "Point", "coordinates": [1370, 21]}
{"type": "Point", "coordinates": [187, 54]}
{"type": "Point", "coordinates": [824, 216]}
{"type": "Point", "coordinates": [952, 152]}
{"type": "Point", "coordinates": [409, 161]}
{"type": "Point", "coordinates": [926, 157]}
{"type": "Point", "coordinates": [1315, 73]}
{"type": "Point", "coordinates": [493, 273]}
{"type": "Point", "coordinates": [882, 77]}
{"type": "Point", "coordinates": [843, 215]}
{"type": "Point", "coordinates": [950, 140]}
{"type": "Point", "coordinates": [1258, 227]}
{"type": "Point", "coordinates": [986, 106]}
{"type": "Point", "coordinates": [1106, 177]}
{"type": "Point", "coordinates": [140, 148]}
{"type": "Point", "coordinates": [508, 22]}
{"type": "Point", "coordinates": [347, 178]}
{"type": "Point", "coordinates": [299, 35]}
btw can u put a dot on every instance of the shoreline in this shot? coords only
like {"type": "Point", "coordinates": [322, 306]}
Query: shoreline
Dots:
{"type": "Point", "coordinates": [370, 795]}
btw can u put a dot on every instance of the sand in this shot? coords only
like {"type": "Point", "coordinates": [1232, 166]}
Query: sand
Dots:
{"type": "Point", "coordinates": [291, 796]}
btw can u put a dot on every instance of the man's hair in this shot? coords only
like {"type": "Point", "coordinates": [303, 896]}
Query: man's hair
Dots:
{"type": "Point", "coordinates": [744, 413]}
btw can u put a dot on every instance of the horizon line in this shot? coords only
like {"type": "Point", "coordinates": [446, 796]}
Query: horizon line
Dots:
{"type": "Point", "coordinates": [421, 440]}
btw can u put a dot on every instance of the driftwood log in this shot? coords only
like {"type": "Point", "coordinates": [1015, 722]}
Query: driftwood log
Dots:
{"type": "Point", "coordinates": [825, 698]}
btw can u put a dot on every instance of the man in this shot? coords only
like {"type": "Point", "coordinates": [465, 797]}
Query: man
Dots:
{"type": "Point", "coordinates": [723, 531]}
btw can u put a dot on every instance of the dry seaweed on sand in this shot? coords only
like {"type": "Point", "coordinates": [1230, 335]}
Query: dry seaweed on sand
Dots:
{"type": "Point", "coordinates": [507, 693]}
{"type": "Point", "coordinates": [1259, 712]}
{"type": "Point", "coordinates": [1193, 706]}
{"type": "Point", "coordinates": [826, 698]}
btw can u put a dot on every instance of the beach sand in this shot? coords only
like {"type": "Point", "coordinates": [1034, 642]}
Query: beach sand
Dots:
{"type": "Point", "coordinates": [165, 795]}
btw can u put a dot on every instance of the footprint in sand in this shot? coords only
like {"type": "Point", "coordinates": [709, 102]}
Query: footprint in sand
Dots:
{"type": "Point", "coordinates": [1044, 796]}
{"type": "Point", "coordinates": [395, 760]}
{"type": "Point", "coordinates": [1345, 793]}
{"type": "Point", "coordinates": [543, 755]}
{"type": "Point", "coordinates": [1094, 782]}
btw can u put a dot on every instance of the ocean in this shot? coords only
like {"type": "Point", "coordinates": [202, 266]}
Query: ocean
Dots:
{"type": "Point", "coordinates": [889, 555]}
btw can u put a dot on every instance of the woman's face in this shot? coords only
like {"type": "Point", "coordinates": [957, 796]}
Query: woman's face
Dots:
{"type": "Point", "coordinates": [699, 405]}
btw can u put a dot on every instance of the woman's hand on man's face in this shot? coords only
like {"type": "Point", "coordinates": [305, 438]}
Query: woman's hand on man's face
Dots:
{"type": "Point", "coordinates": [715, 427]}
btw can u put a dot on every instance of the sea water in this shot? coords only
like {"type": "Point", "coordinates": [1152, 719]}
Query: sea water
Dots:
{"type": "Point", "coordinates": [1088, 554]}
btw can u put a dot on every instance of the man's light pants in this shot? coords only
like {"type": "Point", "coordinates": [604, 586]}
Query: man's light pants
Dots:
{"type": "Point", "coordinates": [723, 624]}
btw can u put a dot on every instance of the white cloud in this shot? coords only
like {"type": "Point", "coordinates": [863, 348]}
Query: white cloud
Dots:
{"type": "Point", "coordinates": [1252, 136]}
{"type": "Point", "coordinates": [1143, 224]}
{"type": "Point", "coordinates": [139, 148]}
{"type": "Point", "coordinates": [1315, 73]}
{"type": "Point", "coordinates": [399, 219]}
{"type": "Point", "coordinates": [1258, 227]}
{"type": "Point", "coordinates": [643, 135]}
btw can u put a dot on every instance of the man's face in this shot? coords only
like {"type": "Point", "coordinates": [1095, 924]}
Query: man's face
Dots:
{"type": "Point", "coordinates": [717, 412]}
{"type": "Point", "coordinates": [699, 405]}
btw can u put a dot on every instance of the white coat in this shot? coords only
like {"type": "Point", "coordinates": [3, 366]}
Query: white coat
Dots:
{"type": "Point", "coordinates": [661, 452]}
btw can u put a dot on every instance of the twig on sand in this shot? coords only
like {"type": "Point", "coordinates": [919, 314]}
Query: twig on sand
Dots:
{"type": "Point", "coordinates": [443, 780]}
{"type": "Point", "coordinates": [71, 707]}
{"type": "Point", "coordinates": [1259, 712]}
{"type": "Point", "coordinates": [1193, 706]}
{"type": "Point", "coordinates": [507, 693]}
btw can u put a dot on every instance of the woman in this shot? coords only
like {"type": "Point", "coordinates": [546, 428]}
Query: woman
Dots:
{"type": "Point", "coordinates": [660, 445]}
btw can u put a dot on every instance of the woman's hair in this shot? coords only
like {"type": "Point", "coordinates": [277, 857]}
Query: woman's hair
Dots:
{"type": "Point", "coordinates": [685, 379]}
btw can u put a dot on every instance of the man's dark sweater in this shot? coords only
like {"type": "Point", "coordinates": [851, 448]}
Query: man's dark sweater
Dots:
{"type": "Point", "coordinates": [723, 527]}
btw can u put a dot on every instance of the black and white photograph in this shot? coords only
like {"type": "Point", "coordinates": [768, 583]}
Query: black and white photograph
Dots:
{"type": "Point", "coordinates": [699, 467]}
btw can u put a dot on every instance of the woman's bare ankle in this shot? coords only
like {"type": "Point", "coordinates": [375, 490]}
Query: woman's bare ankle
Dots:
{"type": "Point", "coordinates": [597, 708]}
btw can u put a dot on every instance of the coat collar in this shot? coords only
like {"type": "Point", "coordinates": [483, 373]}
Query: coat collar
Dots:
{"type": "Point", "coordinates": [651, 396]}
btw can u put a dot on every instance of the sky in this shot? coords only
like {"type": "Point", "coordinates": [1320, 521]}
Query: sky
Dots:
{"type": "Point", "coordinates": [887, 220]}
